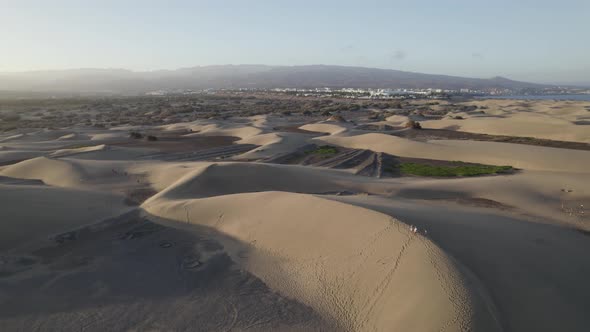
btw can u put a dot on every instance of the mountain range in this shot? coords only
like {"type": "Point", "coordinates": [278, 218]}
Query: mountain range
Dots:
{"type": "Point", "coordinates": [122, 81]}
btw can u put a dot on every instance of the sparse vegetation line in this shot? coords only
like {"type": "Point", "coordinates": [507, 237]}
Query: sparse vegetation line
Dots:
{"type": "Point", "coordinates": [459, 169]}
{"type": "Point", "coordinates": [324, 150]}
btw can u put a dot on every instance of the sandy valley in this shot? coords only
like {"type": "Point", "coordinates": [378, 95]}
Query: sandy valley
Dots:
{"type": "Point", "coordinates": [234, 213]}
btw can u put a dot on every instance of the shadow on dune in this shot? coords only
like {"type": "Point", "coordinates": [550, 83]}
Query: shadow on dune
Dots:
{"type": "Point", "coordinates": [131, 273]}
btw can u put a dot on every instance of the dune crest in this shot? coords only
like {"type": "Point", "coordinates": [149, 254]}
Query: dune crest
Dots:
{"type": "Point", "coordinates": [361, 268]}
{"type": "Point", "coordinates": [191, 212]}
{"type": "Point", "coordinates": [53, 172]}
{"type": "Point", "coordinates": [517, 155]}
{"type": "Point", "coordinates": [326, 127]}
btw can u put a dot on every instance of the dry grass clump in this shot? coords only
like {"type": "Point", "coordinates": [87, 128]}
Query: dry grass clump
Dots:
{"type": "Point", "coordinates": [135, 135]}
{"type": "Point", "coordinates": [337, 118]}
{"type": "Point", "coordinates": [413, 124]}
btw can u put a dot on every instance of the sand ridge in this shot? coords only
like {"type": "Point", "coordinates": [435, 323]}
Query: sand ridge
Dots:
{"type": "Point", "coordinates": [517, 155]}
{"type": "Point", "coordinates": [257, 245]}
{"type": "Point", "coordinates": [543, 119]}
{"type": "Point", "coordinates": [349, 284]}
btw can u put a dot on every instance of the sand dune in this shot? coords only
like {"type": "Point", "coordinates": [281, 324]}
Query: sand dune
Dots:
{"type": "Point", "coordinates": [253, 130]}
{"type": "Point", "coordinates": [217, 129]}
{"type": "Point", "coordinates": [329, 128]}
{"type": "Point", "coordinates": [8, 156]}
{"type": "Point", "coordinates": [517, 125]}
{"type": "Point", "coordinates": [520, 156]}
{"type": "Point", "coordinates": [11, 138]}
{"type": "Point", "coordinates": [513, 258]}
{"type": "Point", "coordinates": [108, 136]}
{"type": "Point", "coordinates": [272, 144]}
{"type": "Point", "coordinates": [397, 120]}
{"type": "Point", "coordinates": [46, 212]}
{"type": "Point", "coordinates": [103, 232]}
{"type": "Point", "coordinates": [66, 152]}
{"type": "Point", "coordinates": [73, 136]}
{"type": "Point", "coordinates": [103, 152]}
{"type": "Point", "coordinates": [345, 270]}
{"type": "Point", "coordinates": [73, 173]}
{"type": "Point", "coordinates": [50, 171]}
{"type": "Point", "coordinates": [505, 117]}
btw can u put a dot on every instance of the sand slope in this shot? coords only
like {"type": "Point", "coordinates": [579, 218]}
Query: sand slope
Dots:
{"type": "Point", "coordinates": [534, 272]}
{"type": "Point", "coordinates": [46, 214]}
{"type": "Point", "coordinates": [365, 276]}
{"type": "Point", "coordinates": [176, 244]}
{"type": "Point", "coordinates": [516, 155]}
{"type": "Point", "coordinates": [540, 119]}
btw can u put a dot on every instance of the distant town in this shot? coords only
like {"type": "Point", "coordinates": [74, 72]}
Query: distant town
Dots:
{"type": "Point", "coordinates": [365, 93]}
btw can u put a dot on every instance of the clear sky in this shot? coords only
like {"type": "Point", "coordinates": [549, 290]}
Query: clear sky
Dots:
{"type": "Point", "coordinates": [544, 41]}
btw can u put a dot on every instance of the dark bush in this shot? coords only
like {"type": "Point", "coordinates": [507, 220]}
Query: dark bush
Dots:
{"type": "Point", "coordinates": [135, 135]}
{"type": "Point", "coordinates": [354, 107]}
{"type": "Point", "coordinates": [413, 124]}
{"type": "Point", "coordinates": [337, 118]}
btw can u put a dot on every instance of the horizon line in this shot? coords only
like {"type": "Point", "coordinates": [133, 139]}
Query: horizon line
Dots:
{"type": "Point", "coordinates": [31, 71]}
{"type": "Point", "coordinates": [24, 71]}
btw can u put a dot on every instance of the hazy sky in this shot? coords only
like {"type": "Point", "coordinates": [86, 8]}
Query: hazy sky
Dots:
{"type": "Point", "coordinates": [547, 41]}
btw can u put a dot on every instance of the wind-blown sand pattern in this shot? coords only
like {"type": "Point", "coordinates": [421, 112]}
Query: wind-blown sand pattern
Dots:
{"type": "Point", "coordinates": [235, 225]}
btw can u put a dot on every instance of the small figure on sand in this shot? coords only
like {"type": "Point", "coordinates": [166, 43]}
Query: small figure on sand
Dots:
{"type": "Point", "coordinates": [415, 230]}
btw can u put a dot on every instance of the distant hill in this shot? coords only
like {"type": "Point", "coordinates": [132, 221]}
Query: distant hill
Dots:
{"type": "Point", "coordinates": [239, 76]}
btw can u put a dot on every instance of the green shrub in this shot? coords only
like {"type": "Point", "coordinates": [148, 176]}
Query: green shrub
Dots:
{"type": "Point", "coordinates": [324, 150]}
{"type": "Point", "coordinates": [458, 169]}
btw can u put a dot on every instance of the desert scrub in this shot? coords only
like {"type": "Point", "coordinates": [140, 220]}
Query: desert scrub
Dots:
{"type": "Point", "coordinates": [135, 135]}
{"type": "Point", "coordinates": [324, 150]}
{"type": "Point", "coordinates": [413, 124]}
{"type": "Point", "coordinates": [457, 169]}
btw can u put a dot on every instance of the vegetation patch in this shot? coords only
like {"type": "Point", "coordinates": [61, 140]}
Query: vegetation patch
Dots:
{"type": "Point", "coordinates": [456, 168]}
{"type": "Point", "coordinates": [135, 135]}
{"type": "Point", "coordinates": [324, 150]}
{"type": "Point", "coordinates": [413, 124]}
{"type": "Point", "coordinates": [442, 134]}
